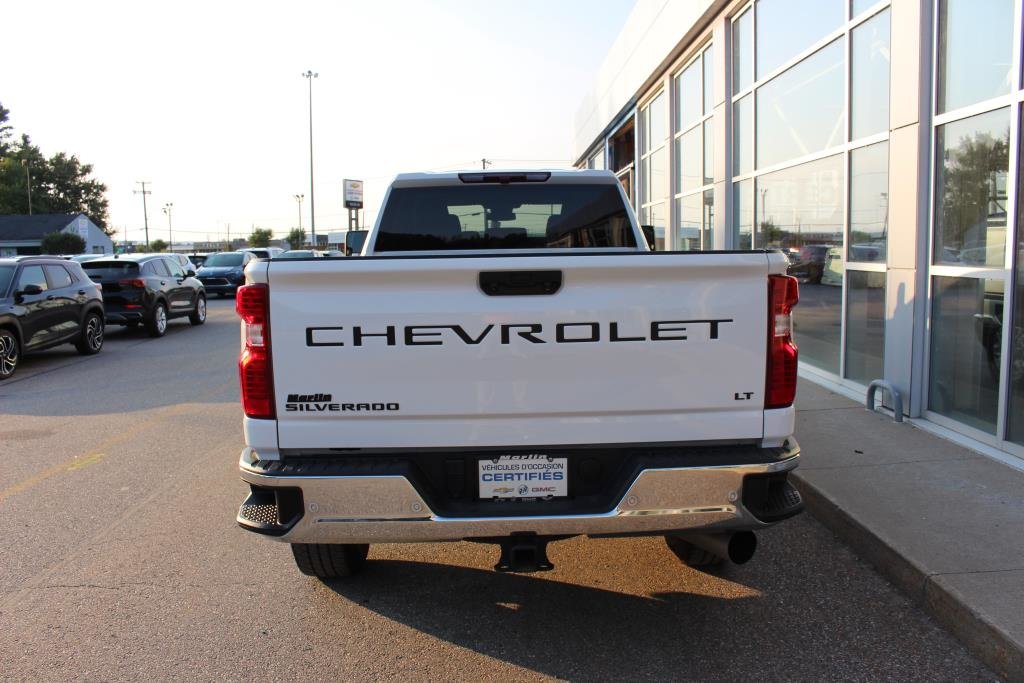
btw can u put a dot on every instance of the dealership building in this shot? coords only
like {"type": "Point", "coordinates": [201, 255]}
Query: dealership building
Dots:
{"type": "Point", "coordinates": [878, 144]}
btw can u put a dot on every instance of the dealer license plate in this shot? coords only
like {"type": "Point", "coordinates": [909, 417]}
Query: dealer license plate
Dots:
{"type": "Point", "coordinates": [523, 476]}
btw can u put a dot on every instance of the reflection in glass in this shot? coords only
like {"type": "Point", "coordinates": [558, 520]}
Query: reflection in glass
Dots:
{"type": "Point", "coordinates": [786, 28]}
{"type": "Point", "coordinates": [967, 324]}
{"type": "Point", "coordinates": [869, 202]}
{"type": "Point", "coordinates": [657, 219]}
{"type": "Point", "coordinates": [865, 325]}
{"type": "Point", "coordinates": [801, 207]}
{"type": "Point", "coordinates": [743, 214]}
{"type": "Point", "coordinates": [657, 122]}
{"type": "Point", "coordinates": [709, 220]}
{"type": "Point", "coordinates": [659, 174]}
{"type": "Point", "coordinates": [803, 110]}
{"type": "Point", "coordinates": [869, 77]}
{"type": "Point", "coordinates": [858, 6]}
{"type": "Point", "coordinates": [690, 156]}
{"type": "Point", "coordinates": [1015, 407]}
{"type": "Point", "coordinates": [709, 152]}
{"type": "Point", "coordinates": [817, 322]}
{"type": "Point", "coordinates": [688, 226]}
{"type": "Point", "coordinates": [709, 80]}
{"type": "Point", "coordinates": [742, 46]}
{"type": "Point", "coordinates": [742, 124]}
{"type": "Point", "coordinates": [975, 51]}
{"type": "Point", "coordinates": [688, 96]}
{"type": "Point", "coordinates": [971, 165]}
{"type": "Point", "coordinates": [645, 175]}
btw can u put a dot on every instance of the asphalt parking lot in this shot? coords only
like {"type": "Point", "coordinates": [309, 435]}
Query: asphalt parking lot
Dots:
{"type": "Point", "coordinates": [122, 560]}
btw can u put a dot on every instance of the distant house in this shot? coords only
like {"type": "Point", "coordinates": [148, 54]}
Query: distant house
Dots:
{"type": "Point", "coordinates": [21, 235]}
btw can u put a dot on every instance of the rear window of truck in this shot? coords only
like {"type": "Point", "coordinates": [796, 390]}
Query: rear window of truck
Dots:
{"type": "Point", "coordinates": [513, 216]}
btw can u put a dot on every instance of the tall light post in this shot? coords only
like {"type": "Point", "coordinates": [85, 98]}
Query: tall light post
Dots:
{"type": "Point", "coordinates": [309, 75]}
{"type": "Point", "coordinates": [299, 198]}
{"type": "Point", "coordinates": [145, 212]}
{"type": "Point", "coordinates": [170, 235]}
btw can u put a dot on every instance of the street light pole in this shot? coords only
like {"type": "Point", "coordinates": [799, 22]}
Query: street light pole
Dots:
{"type": "Point", "coordinates": [170, 234]}
{"type": "Point", "coordinates": [309, 75]}
{"type": "Point", "coordinates": [299, 198]}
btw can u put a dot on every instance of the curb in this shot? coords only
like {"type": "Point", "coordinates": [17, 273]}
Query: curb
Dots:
{"type": "Point", "coordinates": [985, 640]}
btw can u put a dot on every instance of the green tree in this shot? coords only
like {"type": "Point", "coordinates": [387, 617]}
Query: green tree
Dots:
{"type": "Point", "coordinates": [296, 238]}
{"type": "Point", "coordinates": [62, 243]}
{"type": "Point", "coordinates": [60, 184]}
{"type": "Point", "coordinates": [158, 245]}
{"type": "Point", "coordinates": [260, 237]}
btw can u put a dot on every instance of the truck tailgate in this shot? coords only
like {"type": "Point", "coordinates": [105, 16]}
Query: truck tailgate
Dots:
{"type": "Point", "coordinates": [412, 353]}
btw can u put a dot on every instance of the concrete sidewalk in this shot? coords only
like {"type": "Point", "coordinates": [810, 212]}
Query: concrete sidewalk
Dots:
{"type": "Point", "coordinates": [942, 522]}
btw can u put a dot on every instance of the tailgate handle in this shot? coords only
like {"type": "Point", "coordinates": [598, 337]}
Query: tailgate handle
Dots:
{"type": "Point", "coordinates": [520, 282]}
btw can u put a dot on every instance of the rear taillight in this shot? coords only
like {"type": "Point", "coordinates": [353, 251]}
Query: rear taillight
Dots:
{"type": "Point", "coordinates": [136, 282]}
{"type": "Point", "coordinates": [254, 367]}
{"type": "Point", "coordinates": [780, 380]}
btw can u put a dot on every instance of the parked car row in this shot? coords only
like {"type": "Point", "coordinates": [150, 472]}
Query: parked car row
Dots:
{"type": "Point", "coordinates": [46, 301]}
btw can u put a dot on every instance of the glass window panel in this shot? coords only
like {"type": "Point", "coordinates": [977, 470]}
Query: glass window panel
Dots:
{"type": "Point", "coordinates": [709, 80]}
{"type": "Point", "coordinates": [743, 213]}
{"type": "Point", "coordinates": [869, 77]}
{"type": "Point", "coordinates": [803, 110]}
{"type": "Point", "coordinates": [869, 202]}
{"type": "Point", "coordinates": [971, 166]}
{"type": "Point", "coordinates": [645, 128]}
{"type": "Point", "coordinates": [817, 321]}
{"type": "Point", "coordinates": [708, 220]}
{"type": "Point", "coordinates": [709, 152]}
{"type": "Point", "coordinates": [659, 122]}
{"type": "Point", "coordinates": [1015, 407]}
{"type": "Point", "coordinates": [689, 96]}
{"type": "Point", "coordinates": [742, 124]}
{"type": "Point", "coordinates": [645, 180]}
{"type": "Point", "coordinates": [967, 322]}
{"type": "Point", "coordinates": [865, 325]}
{"type": "Point", "coordinates": [688, 222]}
{"type": "Point", "coordinates": [975, 51]}
{"type": "Point", "coordinates": [786, 28]}
{"type": "Point", "coordinates": [802, 207]}
{"type": "Point", "coordinates": [858, 6]}
{"type": "Point", "coordinates": [658, 221]}
{"type": "Point", "coordinates": [659, 174]}
{"type": "Point", "coordinates": [742, 46]}
{"type": "Point", "coordinates": [691, 160]}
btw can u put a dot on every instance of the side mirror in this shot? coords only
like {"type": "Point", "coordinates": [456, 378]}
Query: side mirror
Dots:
{"type": "Point", "coordinates": [32, 290]}
{"type": "Point", "coordinates": [190, 273]}
{"type": "Point", "coordinates": [648, 231]}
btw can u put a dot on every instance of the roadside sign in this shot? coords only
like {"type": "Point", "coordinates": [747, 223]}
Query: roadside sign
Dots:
{"type": "Point", "coordinates": [353, 194]}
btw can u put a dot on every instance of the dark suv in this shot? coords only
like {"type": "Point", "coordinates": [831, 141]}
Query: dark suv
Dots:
{"type": "Point", "coordinates": [46, 301]}
{"type": "Point", "coordinates": [224, 273]}
{"type": "Point", "coordinates": [810, 263]}
{"type": "Point", "coordinates": [149, 289]}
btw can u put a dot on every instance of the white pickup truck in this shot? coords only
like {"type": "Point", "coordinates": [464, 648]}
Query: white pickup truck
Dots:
{"type": "Point", "coordinates": [509, 363]}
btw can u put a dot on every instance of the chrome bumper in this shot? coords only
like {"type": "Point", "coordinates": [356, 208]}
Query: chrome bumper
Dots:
{"type": "Point", "coordinates": [388, 509]}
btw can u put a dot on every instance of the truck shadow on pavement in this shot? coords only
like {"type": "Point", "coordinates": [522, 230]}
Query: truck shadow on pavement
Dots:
{"type": "Point", "coordinates": [808, 617]}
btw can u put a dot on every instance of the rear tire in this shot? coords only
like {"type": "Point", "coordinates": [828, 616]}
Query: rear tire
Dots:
{"type": "Point", "coordinates": [91, 339]}
{"type": "Point", "coordinates": [10, 353]}
{"type": "Point", "coordinates": [691, 555]}
{"type": "Point", "coordinates": [198, 314]}
{"type": "Point", "coordinates": [326, 561]}
{"type": "Point", "coordinates": [156, 325]}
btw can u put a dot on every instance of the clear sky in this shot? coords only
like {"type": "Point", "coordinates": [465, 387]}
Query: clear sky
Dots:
{"type": "Point", "coordinates": [205, 99]}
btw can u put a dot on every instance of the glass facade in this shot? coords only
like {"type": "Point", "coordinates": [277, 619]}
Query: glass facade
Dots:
{"type": "Point", "coordinates": [803, 132]}
{"type": "Point", "coordinates": [694, 153]}
{"type": "Point", "coordinates": [971, 168]}
{"type": "Point", "coordinates": [975, 52]}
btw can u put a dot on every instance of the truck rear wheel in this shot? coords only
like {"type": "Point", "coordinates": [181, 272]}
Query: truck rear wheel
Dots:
{"type": "Point", "coordinates": [691, 555]}
{"type": "Point", "coordinates": [326, 561]}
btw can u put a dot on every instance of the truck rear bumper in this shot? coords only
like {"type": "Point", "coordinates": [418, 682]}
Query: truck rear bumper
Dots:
{"type": "Point", "coordinates": [389, 509]}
